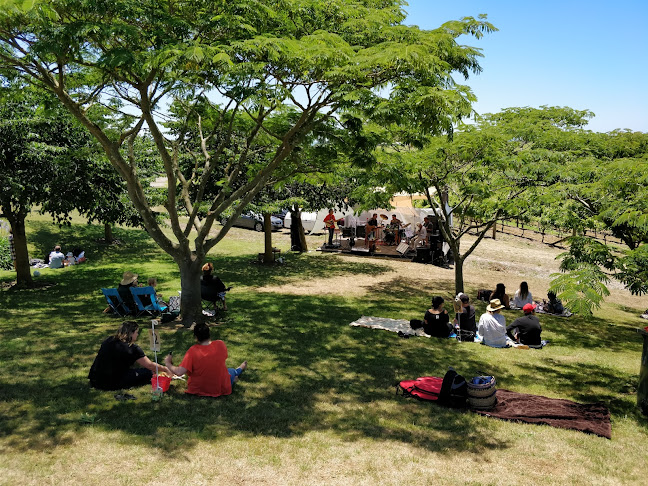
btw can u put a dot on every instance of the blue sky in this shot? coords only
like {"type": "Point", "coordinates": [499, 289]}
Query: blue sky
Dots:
{"type": "Point", "coordinates": [582, 54]}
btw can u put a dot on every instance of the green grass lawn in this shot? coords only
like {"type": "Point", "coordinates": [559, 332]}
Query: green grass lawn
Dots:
{"type": "Point", "coordinates": [318, 403]}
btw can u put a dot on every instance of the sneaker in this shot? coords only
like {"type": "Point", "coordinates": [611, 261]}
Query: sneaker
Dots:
{"type": "Point", "coordinates": [124, 396]}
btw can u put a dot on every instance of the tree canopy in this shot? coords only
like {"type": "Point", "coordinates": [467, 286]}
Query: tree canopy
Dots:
{"type": "Point", "coordinates": [491, 171]}
{"type": "Point", "coordinates": [240, 75]}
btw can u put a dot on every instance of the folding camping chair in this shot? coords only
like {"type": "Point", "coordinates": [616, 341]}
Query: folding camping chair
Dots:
{"type": "Point", "coordinates": [142, 296]}
{"type": "Point", "coordinates": [115, 302]}
{"type": "Point", "coordinates": [210, 298]}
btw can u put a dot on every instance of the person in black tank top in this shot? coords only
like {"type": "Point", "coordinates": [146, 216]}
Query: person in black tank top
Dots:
{"type": "Point", "coordinates": [437, 321]}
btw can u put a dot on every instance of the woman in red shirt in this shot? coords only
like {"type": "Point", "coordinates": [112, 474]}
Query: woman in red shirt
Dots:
{"type": "Point", "coordinates": [204, 362]}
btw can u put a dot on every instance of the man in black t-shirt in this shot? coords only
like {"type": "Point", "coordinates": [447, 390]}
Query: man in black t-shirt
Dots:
{"type": "Point", "coordinates": [526, 329]}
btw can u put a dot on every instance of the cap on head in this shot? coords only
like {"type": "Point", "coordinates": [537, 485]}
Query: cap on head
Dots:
{"type": "Point", "coordinates": [529, 308]}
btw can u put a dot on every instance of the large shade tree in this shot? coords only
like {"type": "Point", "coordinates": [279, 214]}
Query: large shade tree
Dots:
{"type": "Point", "coordinates": [44, 154]}
{"type": "Point", "coordinates": [272, 72]}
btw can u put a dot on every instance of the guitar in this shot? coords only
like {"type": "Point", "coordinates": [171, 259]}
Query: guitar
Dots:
{"type": "Point", "coordinates": [331, 222]}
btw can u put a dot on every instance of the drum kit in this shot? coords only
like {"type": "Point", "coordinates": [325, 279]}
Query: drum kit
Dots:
{"type": "Point", "coordinates": [391, 233]}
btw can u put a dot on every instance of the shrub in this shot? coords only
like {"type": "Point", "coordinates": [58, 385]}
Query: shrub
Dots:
{"type": "Point", "coordinates": [5, 254]}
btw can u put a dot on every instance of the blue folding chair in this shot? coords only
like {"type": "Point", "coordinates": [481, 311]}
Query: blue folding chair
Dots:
{"type": "Point", "coordinates": [146, 301]}
{"type": "Point", "coordinates": [115, 302]}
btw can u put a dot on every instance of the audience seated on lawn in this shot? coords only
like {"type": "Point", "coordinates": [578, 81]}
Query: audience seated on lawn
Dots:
{"type": "Point", "coordinates": [56, 258]}
{"type": "Point", "coordinates": [500, 294]}
{"type": "Point", "coordinates": [69, 259]}
{"type": "Point", "coordinates": [112, 370]}
{"type": "Point", "coordinates": [522, 296]}
{"type": "Point", "coordinates": [466, 318]}
{"type": "Point", "coordinates": [526, 329]}
{"type": "Point", "coordinates": [492, 326]}
{"type": "Point", "coordinates": [212, 288]}
{"type": "Point", "coordinates": [204, 362]}
{"type": "Point", "coordinates": [129, 279]}
{"type": "Point", "coordinates": [146, 300]}
{"type": "Point", "coordinates": [554, 305]}
{"type": "Point", "coordinates": [436, 321]}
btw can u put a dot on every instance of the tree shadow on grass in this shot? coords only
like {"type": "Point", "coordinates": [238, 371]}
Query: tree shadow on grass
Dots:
{"type": "Point", "coordinates": [589, 332]}
{"type": "Point", "coordinates": [312, 373]}
{"type": "Point", "coordinates": [309, 370]}
{"type": "Point", "coordinates": [585, 383]}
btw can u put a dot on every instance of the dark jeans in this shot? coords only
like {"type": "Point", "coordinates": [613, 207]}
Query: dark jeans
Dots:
{"type": "Point", "coordinates": [331, 231]}
{"type": "Point", "coordinates": [136, 377]}
{"type": "Point", "coordinates": [132, 378]}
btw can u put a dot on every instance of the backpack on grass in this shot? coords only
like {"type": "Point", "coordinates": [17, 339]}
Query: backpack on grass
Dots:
{"type": "Point", "coordinates": [454, 390]}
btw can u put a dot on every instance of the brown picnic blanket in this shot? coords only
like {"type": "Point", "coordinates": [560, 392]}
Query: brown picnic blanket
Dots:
{"type": "Point", "coordinates": [557, 412]}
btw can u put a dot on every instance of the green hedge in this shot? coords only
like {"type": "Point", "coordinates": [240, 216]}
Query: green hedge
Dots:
{"type": "Point", "coordinates": [5, 254]}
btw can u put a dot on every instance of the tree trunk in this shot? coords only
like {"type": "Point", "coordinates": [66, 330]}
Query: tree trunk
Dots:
{"type": "Point", "coordinates": [190, 301]}
{"type": "Point", "coordinates": [297, 235]}
{"type": "Point", "coordinates": [267, 230]}
{"type": "Point", "coordinates": [23, 270]}
{"type": "Point", "coordinates": [108, 233]}
{"type": "Point", "coordinates": [458, 270]}
{"type": "Point", "coordinates": [495, 230]}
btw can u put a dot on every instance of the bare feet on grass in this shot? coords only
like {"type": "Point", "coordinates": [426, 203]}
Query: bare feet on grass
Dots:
{"type": "Point", "coordinates": [243, 365]}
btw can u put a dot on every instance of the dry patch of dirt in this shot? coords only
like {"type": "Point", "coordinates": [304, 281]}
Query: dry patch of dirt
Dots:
{"type": "Point", "coordinates": [507, 259]}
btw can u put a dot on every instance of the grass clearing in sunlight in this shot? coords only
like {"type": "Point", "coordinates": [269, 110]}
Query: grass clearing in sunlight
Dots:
{"type": "Point", "coordinates": [317, 404]}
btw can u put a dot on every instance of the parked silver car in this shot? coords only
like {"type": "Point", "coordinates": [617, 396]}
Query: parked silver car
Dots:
{"type": "Point", "coordinates": [255, 221]}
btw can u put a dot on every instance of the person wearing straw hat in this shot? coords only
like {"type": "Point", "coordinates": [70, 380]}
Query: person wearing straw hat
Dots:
{"type": "Point", "coordinates": [492, 326]}
{"type": "Point", "coordinates": [111, 369]}
{"type": "Point", "coordinates": [129, 279]}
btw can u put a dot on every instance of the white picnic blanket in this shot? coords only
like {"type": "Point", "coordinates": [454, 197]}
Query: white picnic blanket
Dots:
{"type": "Point", "coordinates": [394, 325]}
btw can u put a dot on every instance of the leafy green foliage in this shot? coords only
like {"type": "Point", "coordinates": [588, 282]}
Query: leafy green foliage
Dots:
{"type": "Point", "coordinates": [6, 262]}
{"type": "Point", "coordinates": [582, 289]}
{"type": "Point", "coordinates": [260, 90]}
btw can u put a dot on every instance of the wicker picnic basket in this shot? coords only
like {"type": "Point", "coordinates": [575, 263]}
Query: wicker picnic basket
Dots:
{"type": "Point", "coordinates": [482, 392]}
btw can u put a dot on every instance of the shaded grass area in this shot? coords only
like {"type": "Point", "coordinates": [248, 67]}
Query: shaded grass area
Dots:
{"type": "Point", "coordinates": [309, 371]}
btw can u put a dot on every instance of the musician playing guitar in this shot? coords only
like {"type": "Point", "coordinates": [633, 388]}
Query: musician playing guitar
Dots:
{"type": "Point", "coordinates": [370, 227]}
{"type": "Point", "coordinates": [329, 222]}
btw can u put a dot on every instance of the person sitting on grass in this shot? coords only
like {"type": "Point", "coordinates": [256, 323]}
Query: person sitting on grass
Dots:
{"type": "Point", "coordinates": [465, 319]}
{"type": "Point", "coordinates": [554, 306]}
{"type": "Point", "coordinates": [522, 296]}
{"type": "Point", "coordinates": [500, 294]}
{"type": "Point", "coordinates": [204, 362]}
{"type": "Point", "coordinates": [526, 329]}
{"type": "Point", "coordinates": [436, 321]}
{"type": "Point", "coordinates": [56, 258]}
{"type": "Point", "coordinates": [111, 369]}
{"type": "Point", "coordinates": [129, 279]}
{"type": "Point", "coordinates": [492, 326]}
